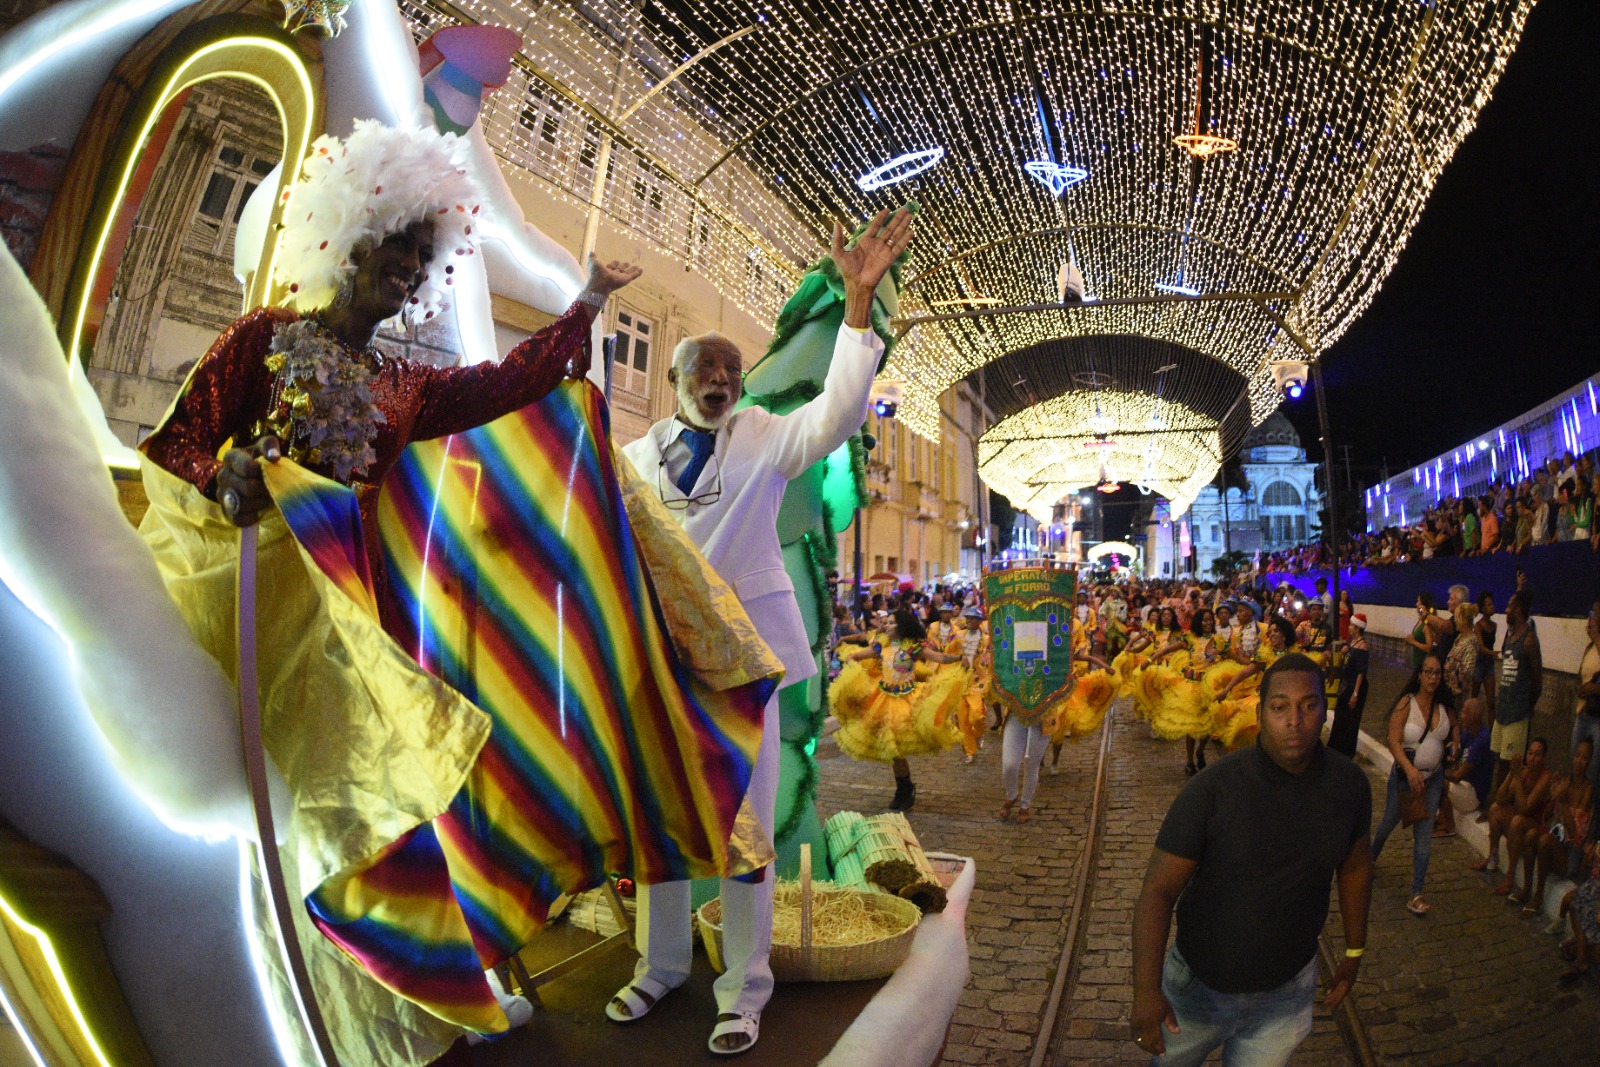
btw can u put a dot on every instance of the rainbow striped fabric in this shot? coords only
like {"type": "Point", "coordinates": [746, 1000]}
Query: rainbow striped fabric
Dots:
{"type": "Point", "coordinates": [511, 553]}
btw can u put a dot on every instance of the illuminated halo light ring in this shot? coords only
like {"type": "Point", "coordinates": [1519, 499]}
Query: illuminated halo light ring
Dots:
{"type": "Point", "coordinates": [1057, 177]}
{"type": "Point", "coordinates": [1205, 145]}
{"type": "Point", "coordinates": [899, 169]}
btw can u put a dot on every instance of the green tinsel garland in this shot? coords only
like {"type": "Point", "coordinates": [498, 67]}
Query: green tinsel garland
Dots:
{"type": "Point", "coordinates": [782, 401]}
{"type": "Point", "coordinates": [805, 793]}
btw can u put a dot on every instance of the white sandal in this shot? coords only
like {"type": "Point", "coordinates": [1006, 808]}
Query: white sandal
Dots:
{"type": "Point", "coordinates": [637, 1006]}
{"type": "Point", "coordinates": [748, 1023]}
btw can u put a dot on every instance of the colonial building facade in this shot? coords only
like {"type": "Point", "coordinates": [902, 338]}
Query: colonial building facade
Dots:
{"type": "Point", "coordinates": [1277, 509]}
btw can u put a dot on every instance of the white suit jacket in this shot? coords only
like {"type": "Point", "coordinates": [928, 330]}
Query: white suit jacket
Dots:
{"type": "Point", "coordinates": [756, 455]}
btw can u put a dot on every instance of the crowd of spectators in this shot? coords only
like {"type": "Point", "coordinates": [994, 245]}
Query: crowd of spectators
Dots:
{"type": "Point", "coordinates": [1484, 683]}
{"type": "Point", "coordinates": [1556, 504]}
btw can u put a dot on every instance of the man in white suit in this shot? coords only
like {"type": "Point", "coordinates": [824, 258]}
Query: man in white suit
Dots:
{"type": "Point", "coordinates": [723, 473]}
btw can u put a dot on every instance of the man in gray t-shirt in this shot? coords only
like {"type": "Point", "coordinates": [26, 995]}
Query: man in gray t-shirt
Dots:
{"type": "Point", "coordinates": [1245, 856]}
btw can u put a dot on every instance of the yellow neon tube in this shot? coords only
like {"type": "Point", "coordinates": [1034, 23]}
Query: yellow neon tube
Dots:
{"type": "Point", "coordinates": [48, 950]}
{"type": "Point", "coordinates": [210, 61]}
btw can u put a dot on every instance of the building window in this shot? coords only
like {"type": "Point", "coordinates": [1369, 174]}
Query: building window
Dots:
{"type": "Point", "coordinates": [541, 117]}
{"type": "Point", "coordinates": [1280, 495]}
{"type": "Point", "coordinates": [631, 371]}
{"type": "Point", "coordinates": [234, 176]}
{"type": "Point", "coordinates": [877, 564]}
{"type": "Point", "coordinates": [894, 565]}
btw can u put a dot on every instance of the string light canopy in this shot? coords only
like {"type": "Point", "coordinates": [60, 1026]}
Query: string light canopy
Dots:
{"type": "Point", "coordinates": [1084, 412]}
{"type": "Point", "coordinates": [1344, 112]}
{"type": "Point", "coordinates": [1042, 453]}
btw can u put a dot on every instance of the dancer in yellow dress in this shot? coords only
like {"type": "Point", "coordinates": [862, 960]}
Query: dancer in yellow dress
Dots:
{"type": "Point", "coordinates": [1082, 713]}
{"type": "Point", "coordinates": [886, 719]}
{"type": "Point", "coordinates": [942, 630]}
{"type": "Point", "coordinates": [1182, 707]}
{"type": "Point", "coordinates": [972, 645]}
{"type": "Point", "coordinates": [1133, 664]}
{"type": "Point", "coordinates": [1238, 702]}
{"type": "Point", "coordinates": [1238, 644]}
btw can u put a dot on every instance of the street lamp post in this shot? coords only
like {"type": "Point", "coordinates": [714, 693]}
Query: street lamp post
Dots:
{"type": "Point", "coordinates": [1327, 484]}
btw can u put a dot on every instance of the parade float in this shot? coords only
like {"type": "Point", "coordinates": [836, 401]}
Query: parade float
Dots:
{"type": "Point", "coordinates": [154, 859]}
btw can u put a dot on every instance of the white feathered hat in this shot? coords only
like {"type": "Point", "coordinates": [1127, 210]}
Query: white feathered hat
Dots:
{"type": "Point", "coordinates": [354, 193]}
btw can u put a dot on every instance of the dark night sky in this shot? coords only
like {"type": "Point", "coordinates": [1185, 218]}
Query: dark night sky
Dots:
{"type": "Point", "coordinates": [1487, 312]}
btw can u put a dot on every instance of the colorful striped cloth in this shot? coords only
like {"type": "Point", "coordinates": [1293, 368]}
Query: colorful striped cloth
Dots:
{"type": "Point", "coordinates": [510, 550]}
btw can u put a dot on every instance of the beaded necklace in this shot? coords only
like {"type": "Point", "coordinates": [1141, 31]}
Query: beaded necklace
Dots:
{"type": "Point", "coordinates": [321, 406]}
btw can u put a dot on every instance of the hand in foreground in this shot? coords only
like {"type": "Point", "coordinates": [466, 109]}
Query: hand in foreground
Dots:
{"type": "Point", "coordinates": [241, 491]}
{"type": "Point", "coordinates": [607, 278]}
{"type": "Point", "coordinates": [866, 262]}
{"type": "Point", "coordinates": [1344, 980]}
{"type": "Point", "coordinates": [1150, 1012]}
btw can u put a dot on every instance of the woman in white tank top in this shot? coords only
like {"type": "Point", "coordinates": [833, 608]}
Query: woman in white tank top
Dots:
{"type": "Point", "coordinates": [1422, 732]}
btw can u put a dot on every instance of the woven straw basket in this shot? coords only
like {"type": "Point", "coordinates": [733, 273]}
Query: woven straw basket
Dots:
{"type": "Point", "coordinates": [825, 963]}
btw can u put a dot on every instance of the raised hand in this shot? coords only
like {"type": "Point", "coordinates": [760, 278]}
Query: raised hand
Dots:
{"type": "Point", "coordinates": [868, 260]}
{"type": "Point", "coordinates": [863, 265]}
{"type": "Point", "coordinates": [607, 278]}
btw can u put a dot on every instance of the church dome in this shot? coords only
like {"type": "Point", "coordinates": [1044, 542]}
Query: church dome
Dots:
{"type": "Point", "coordinates": [1275, 431]}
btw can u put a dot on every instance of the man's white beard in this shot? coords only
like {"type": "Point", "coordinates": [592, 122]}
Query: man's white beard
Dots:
{"type": "Point", "coordinates": [687, 403]}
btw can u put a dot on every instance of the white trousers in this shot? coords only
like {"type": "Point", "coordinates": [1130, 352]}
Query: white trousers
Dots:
{"type": "Point", "coordinates": [666, 926]}
{"type": "Point", "coordinates": [1021, 752]}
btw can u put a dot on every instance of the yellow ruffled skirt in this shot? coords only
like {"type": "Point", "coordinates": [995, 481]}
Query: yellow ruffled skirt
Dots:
{"type": "Point", "coordinates": [1126, 667]}
{"type": "Point", "coordinates": [972, 714]}
{"type": "Point", "coordinates": [1082, 713]}
{"type": "Point", "coordinates": [879, 727]}
{"type": "Point", "coordinates": [1236, 723]}
{"type": "Point", "coordinates": [1179, 706]}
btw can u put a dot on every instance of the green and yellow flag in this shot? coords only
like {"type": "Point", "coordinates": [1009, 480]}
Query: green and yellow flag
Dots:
{"type": "Point", "coordinates": [1030, 624]}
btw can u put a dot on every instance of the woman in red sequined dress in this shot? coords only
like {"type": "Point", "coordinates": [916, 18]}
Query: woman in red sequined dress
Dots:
{"type": "Point", "coordinates": [307, 383]}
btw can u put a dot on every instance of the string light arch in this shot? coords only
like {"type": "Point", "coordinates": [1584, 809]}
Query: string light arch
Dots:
{"type": "Point", "coordinates": [1344, 113]}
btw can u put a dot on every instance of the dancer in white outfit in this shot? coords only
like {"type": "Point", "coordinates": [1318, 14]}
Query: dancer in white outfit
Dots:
{"type": "Point", "coordinates": [723, 474]}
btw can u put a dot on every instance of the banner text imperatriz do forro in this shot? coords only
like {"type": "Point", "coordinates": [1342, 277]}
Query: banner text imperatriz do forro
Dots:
{"type": "Point", "coordinates": [1030, 621]}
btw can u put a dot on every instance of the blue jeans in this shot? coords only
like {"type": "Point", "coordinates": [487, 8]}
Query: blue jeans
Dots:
{"type": "Point", "coordinates": [1588, 726]}
{"type": "Point", "coordinates": [1253, 1029]}
{"type": "Point", "coordinates": [1421, 831]}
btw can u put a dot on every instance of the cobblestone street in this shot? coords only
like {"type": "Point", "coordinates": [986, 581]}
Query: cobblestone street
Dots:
{"type": "Point", "coordinates": [1471, 984]}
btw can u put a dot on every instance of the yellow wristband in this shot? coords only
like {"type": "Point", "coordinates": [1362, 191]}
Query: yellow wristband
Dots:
{"type": "Point", "coordinates": [1353, 953]}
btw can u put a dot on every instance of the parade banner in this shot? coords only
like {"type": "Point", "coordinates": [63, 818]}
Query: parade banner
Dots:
{"type": "Point", "coordinates": [1030, 624]}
